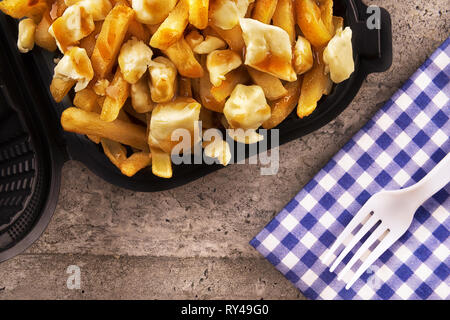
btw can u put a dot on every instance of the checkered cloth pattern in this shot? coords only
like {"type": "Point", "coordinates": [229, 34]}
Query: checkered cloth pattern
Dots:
{"type": "Point", "coordinates": [396, 149]}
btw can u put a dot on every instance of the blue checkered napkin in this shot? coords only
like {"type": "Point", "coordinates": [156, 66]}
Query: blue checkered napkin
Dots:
{"type": "Point", "coordinates": [396, 149]}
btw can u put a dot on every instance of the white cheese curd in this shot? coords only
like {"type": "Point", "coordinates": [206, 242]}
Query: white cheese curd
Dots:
{"type": "Point", "coordinates": [75, 65]}
{"type": "Point", "coordinates": [269, 49]}
{"type": "Point", "coordinates": [338, 56]}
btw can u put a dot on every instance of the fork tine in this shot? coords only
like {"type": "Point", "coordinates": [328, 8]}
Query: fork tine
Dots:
{"type": "Point", "coordinates": [378, 232]}
{"type": "Point", "coordinates": [362, 213]}
{"type": "Point", "coordinates": [365, 228]}
{"type": "Point", "coordinates": [385, 244]}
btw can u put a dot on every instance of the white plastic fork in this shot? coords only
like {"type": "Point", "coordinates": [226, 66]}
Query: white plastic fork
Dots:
{"type": "Point", "coordinates": [395, 210]}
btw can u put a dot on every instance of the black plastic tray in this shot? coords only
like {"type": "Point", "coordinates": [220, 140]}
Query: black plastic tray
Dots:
{"type": "Point", "coordinates": [33, 146]}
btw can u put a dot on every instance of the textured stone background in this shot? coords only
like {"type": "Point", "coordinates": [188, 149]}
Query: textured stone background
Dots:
{"type": "Point", "coordinates": [192, 242]}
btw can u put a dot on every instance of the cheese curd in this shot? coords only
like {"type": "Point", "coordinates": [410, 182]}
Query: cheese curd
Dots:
{"type": "Point", "coordinates": [268, 49]}
{"type": "Point", "coordinates": [162, 82]}
{"type": "Point", "coordinates": [183, 113]}
{"type": "Point", "coordinates": [25, 40]}
{"type": "Point", "coordinates": [219, 150]}
{"type": "Point", "coordinates": [338, 56]}
{"type": "Point", "coordinates": [219, 63]}
{"type": "Point", "coordinates": [225, 14]}
{"type": "Point", "coordinates": [209, 45]}
{"type": "Point", "coordinates": [152, 11]}
{"type": "Point", "coordinates": [303, 56]}
{"type": "Point", "coordinates": [134, 58]}
{"type": "Point", "coordinates": [75, 65]}
{"type": "Point", "coordinates": [75, 24]}
{"type": "Point", "coordinates": [99, 9]}
{"type": "Point", "coordinates": [242, 6]}
{"type": "Point", "coordinates": [247, 107]}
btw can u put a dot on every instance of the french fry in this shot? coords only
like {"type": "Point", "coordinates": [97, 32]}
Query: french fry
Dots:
{"type": "Point", "coordinates": [315, 84]}
{"type": "Point", "coordinates": [183, 57]}
{"type": "Point", "coordinates": [83, 122]}
{"type": "Point", "coordinates": [88, 43]}
{"type": "Point", "coordinates": [116, 95]}
{"type": "Point", "coordinates": [232, 37]}
{"type": "Point", "coordinates": [24, 8]}
{"type": "Point", "coordinates": [136, 162]}
{"type": "Point", "coordinates": [326, 10]}
{"type": "Point", "coordinates": [86, 99]}
{"type": "Point", "coordinates": [58, 8]}
{"type": "Point", "coordinates": [129, 110]}
{"type": "Point", "coordinates": [283, 107]}
{"type": "Point", "coordinates": [198, 13]}
{"type": "Point", "coordinates": [338, 23]}
{"type": "Point", "coordinates": [141, 97]}
{"type": "Point", "coordinates": [206, 97]}
{"type": "Point", "coordinates": [59, 88]}
{"type": "Point", "coordinates": [309, 19]}
{"type": "Point", "coordinates": [284, 17]}
{"type": "Point", "coordinates": [138, 30]}
{"type": "Point", "coordinates": [161, 163]}
{"type": "Point", "coordinates": [42, 37]}
{"type": "Point", "coordinates": [271, 85]}
{"type": "Point", "coordinates": [185, 87]}
{"type": "Point", "coordinates": [264, 10]}
{"type": "Point", "coordinates": [110, 39]}
{"type": "Point", "coordinates": [235, 77]}
{"type": "Point", "coordinates": [115, 151]}
{"type": "Point", "coordinates": [171, 30]}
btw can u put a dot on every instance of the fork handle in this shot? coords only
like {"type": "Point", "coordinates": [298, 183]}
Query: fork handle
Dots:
{"type": "Point", "coordinates": [434, 181]}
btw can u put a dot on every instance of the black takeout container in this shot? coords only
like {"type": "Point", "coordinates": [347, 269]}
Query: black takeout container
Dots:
{"type": "Point", "coordinates": [33, 146]}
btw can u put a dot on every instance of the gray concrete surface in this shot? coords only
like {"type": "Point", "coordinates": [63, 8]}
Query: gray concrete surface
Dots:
{"type": "Point", "coordinates": [192, 241]}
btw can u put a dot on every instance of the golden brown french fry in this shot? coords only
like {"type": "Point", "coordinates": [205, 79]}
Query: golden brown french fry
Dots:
{"type": "Point", "coordinates": [42, 37]}
{"type": "Point", "coordinates": [284, 17]}
{"type": "Point", "coordinates": [57, 9]}
{"type": "Point", "coordinates": [24, 8]}
{"type": "Point", "coordinates": [338, 23]}
{"type": "Point", "coordinates": [183, 57]}
{"type": "Point", "coordinates": [116, 95]}
{"type": "Point", "coordinates": [235, 77]}
{"type": "Point", "coordinates": [130, 111]}
{"type": "Point", "coordinates": [232, 37]}
{"type": "Point", "coordinates": [94, 139]}
{"type": "Point", "coordinates": [315, 84]}
{"type": "Point", "coordinates": [136, 162]}
{"type": "Point", "coordinates": [283, 107]}
{"type": "Point", "coordinates": [309, 19]}
{"type": "Point", "coordinates": [141, 97]}
{"type": "Point", "coordinates": [89, 123]}
{"type": "Point", "coordinates": [138, 30]}
{"type": "Point", "coordinates": [86, 99]}
{"type": "Point", "coordinates": [271, 85]}
{"type": "Point", "coordinates": [161, 163]}
{"type": "Point", "coordinates": [198, 13]}
{"type": "Point", "coordinates": [89, 42]}
{"type": "Point", "coordinates": [115, 151]}
{"type": "Point", "coordinates": [326, 10]}
{"type": "Point", "coordinates": [264, 10]}
{"type": "Point", "coordinates": [110, 39]}
{"type": "Point", "coordinates": [59, 88]}
{"type": "Point", "coordinates": [184, 87]}
{"type": "Point", "coordinates": [171, 30]}
{"type": "Point", "coordinates": [204, 91]}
